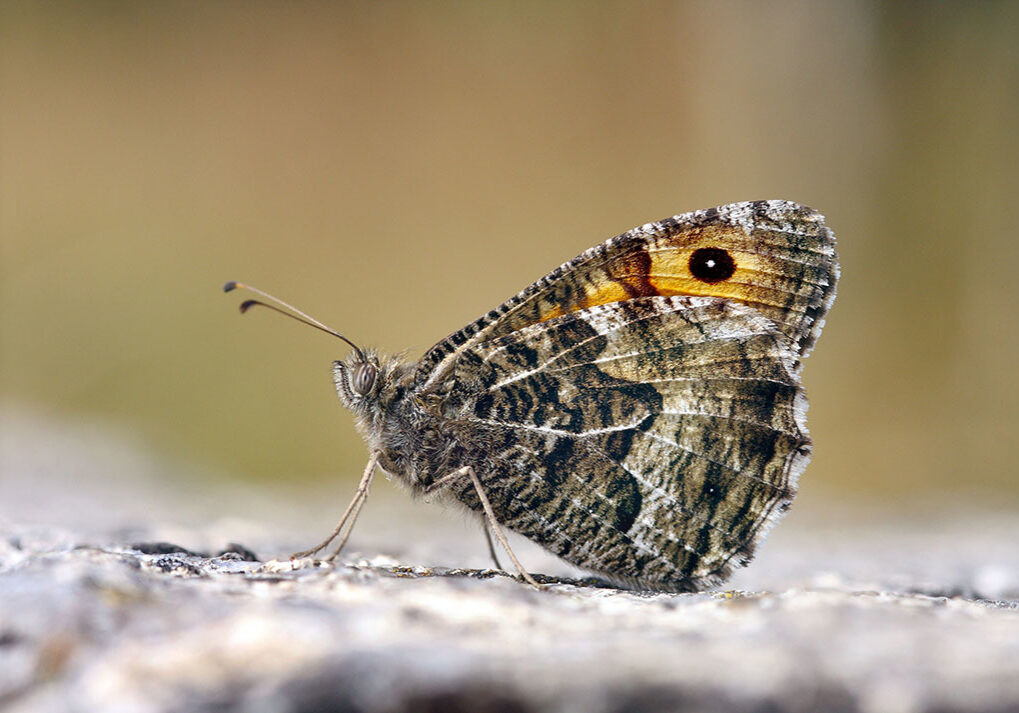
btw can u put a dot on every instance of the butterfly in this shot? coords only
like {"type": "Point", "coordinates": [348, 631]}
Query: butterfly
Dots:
{"type": "Point", "coordinates": [638, 411]}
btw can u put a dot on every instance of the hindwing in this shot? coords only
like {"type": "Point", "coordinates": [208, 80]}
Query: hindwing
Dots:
{"type": "Point", "coordinates": [653, 440]}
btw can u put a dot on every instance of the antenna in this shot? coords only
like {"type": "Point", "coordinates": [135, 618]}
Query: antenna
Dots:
{"type": "Point", "coordinates": [298, 314]}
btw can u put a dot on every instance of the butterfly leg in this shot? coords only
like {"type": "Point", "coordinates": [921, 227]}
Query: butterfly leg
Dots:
{"type": "Point", "coordinates": [491, 545]}
{"type": "Point", "coordinates": [442, 483]}
{"type": "Point", "coordinates": [490, 523]}
{"type": "Point", "coordinates": [494, 524]}
{"type": "Point", "coordinates": [350, 514]}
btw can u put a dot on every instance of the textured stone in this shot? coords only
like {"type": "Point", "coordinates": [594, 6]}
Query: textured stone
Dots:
{"type": "Point", "coordinates": [144, 628]}
{"type": "Point", "coordinates": [901, 607]}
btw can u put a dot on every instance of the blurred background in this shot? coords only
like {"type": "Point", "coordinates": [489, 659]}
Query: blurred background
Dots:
{"type": "Point", "coordinates": [397, 169]}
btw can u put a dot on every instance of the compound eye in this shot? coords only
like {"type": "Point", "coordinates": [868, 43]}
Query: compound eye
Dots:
{"type": "Point", "coordinates": [363, 378]}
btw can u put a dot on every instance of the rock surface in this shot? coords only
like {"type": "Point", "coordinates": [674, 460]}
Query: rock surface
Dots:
{"type": "Point", "coordinates": [150, 627]}
{"type": "Point", "coordinates": [902, 609]}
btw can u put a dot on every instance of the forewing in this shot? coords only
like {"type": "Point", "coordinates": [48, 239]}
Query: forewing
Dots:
{"type": "Point", "coordinates": [652, 440]}
{"type": "Point", "coordinates": [783, 264]}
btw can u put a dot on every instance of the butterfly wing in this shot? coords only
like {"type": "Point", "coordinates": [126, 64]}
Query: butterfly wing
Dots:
{"type": "Point", "coordinates": [775, 256]}
{"type": "Point", "coordinates": [653, 440]}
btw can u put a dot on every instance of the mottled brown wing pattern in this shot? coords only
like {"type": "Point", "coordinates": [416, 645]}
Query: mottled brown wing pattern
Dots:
{"type": "Point", "coordinates": [783, 264]}
{"type": "Point", "coordinates": [652, 440]}
{"type": "Point", "coordinates": [637, 410]}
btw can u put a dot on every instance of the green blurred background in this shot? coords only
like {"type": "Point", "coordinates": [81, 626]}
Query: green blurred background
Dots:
{"type": "Point", "coordinates": [397, 169]}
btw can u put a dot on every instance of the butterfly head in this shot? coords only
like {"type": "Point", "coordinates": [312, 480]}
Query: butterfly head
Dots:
{"type": "Point", "coordinates": [367, 382]}
{"type": "Point", "coordinates": [358, 378]}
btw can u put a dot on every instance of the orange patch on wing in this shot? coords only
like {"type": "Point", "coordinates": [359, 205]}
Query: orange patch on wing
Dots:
{"type": "Point", "coordinates": [670, 275]}
{"type": "Point", "coordinates": [604, 293]}
{"type": "Point", "coordinates": [607, 292]}
{"type": "Point", "coordinates": [555, 311]}
{"type": "Point", "coordinates": [662, 267]}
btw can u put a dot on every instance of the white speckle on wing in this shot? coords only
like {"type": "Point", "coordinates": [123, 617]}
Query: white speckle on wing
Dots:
{"type": "Point", "coordinates": [738, 214]}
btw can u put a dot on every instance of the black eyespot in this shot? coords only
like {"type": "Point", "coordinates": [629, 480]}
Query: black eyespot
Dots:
{"type": "Point", "coordinates": [712, 265]}
{"type": "Point", "coordinates": [363, 378]}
